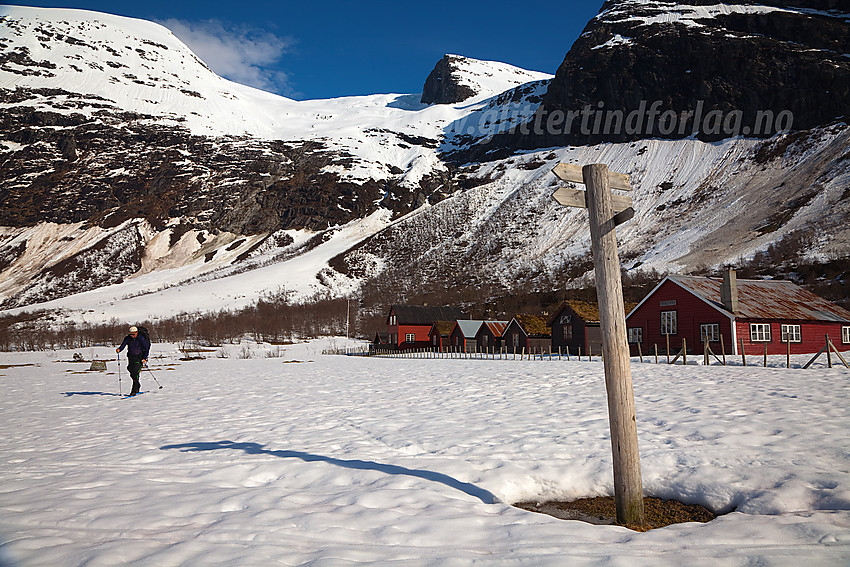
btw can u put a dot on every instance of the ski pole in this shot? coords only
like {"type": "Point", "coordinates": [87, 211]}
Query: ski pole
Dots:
{"type": "Point", "coordinates": [118, 358]}
{"type": "Point", "coordinates": [152, 376]}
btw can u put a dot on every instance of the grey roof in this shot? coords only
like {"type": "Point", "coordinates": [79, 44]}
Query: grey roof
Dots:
{"type": "Point", "coordinates": [469, 327]}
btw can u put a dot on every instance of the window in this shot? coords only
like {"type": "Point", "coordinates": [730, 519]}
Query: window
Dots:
{"type": "Point", "coordinates": [668, 323]}
{"type": "Point", "coordinates": [845, 335]}
{"type": "Point", "coordinates": [760, 332]}
{"type": "Point", "coordinates": [635, 334]}
{"type": "Point", "coordinates": [516, 339]}
{"type": "Point", "coordinates": [392, 320]}
{"type": "Point", "coordinates": [709, 332]}
{"type": "Point", "coordinates": [565, 319]}
{"type": "Point", "coordinates": [410, 337]}
{"type": "Point", "coordinates": [434, 340]}
{"type": "Point", "coordinates": [568, 333]}
{"type": "Point", "coordinates": [791, 334]}
{"type": "Point", "coordinates": [486, 340]}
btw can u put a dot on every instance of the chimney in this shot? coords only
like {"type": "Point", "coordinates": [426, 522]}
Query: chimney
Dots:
{"type": "Point", "coordinates": [729, 290]}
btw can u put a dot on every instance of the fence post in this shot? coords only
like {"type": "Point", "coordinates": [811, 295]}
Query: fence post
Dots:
{"type": "Point", "coordinates": [765, 355]}
{"type": "Point", "coordinates": [668, 347]}
{"type": "Point", "coordinates": [828, 353]}
{"type": "Point", "coordinates": [743, 354]}
{"type": "Point", "coordinates": [684, 351]}
{"type": "Point", "coordinates": [656, 353]}
{"type": "Point", "coordinates": [788, 353]}
{"type": "Point", "coordinates": [723, 348]}
{"type": "Point", "coordinates": [640, 354]}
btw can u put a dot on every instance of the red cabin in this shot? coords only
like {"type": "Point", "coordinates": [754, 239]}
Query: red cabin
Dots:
{"type": "Point", "coordinates": [748, 314]}
{"type": "Point", "coordinates": [408, 326]}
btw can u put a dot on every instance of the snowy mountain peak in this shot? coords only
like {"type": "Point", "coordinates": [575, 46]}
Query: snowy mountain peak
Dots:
{"type": "Point", "coordinates": [462, 79]}
{"type": "Point", "coordinates": [138, 66]}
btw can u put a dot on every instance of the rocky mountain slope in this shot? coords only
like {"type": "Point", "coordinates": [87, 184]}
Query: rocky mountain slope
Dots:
{"type": "Point", "coordinates": [131, 172]}
{"type": "Point", "coordinates": [698, 68]}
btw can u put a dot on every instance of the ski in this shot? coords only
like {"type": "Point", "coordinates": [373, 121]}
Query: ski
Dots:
{"type": "Point", "coordinates": [132, 396]}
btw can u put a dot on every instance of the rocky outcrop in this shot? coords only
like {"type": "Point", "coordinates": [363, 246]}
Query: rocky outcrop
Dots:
{"type": "Point", "coordinates": [645, 69]}
{"type": "Point", "coordinates": [443, 85]}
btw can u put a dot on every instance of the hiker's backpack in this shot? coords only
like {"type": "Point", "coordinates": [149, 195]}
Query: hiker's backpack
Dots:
{"type": "Point", "coordinates": [143, 331]}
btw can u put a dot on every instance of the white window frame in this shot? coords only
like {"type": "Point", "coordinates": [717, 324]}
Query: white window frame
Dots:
{"type": "Point", "coordinates": [669, 322]}
{"type": "Point", "coordinates": [410, 337]}
{"type": "Point", "coordinates": [635, 334]}
{"type": "Point", "coordinates": [709, 332]}
{"type": "Point", "coordinates": [760, 333]}
{"type": "Point", "coordinates": [845, 335]}
{"type": "Point", "coordinates": [791, 333]}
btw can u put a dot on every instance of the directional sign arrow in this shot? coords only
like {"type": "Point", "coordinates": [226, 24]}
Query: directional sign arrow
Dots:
{"type": "Point", "coordinates": [577, 198]}
{"type": "Point", "coordinates": [572, 173]}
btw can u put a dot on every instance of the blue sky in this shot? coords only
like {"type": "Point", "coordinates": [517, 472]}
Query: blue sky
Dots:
{"type": "Point", "coordinates": [327, 49]}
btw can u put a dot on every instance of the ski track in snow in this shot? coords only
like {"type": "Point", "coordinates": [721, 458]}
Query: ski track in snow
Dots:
{"type": "Point", "coordinates": [336, 461]}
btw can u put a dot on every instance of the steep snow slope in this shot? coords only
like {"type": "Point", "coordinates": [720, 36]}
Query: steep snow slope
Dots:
{"type": "Point", "coordinates": [697, 205]}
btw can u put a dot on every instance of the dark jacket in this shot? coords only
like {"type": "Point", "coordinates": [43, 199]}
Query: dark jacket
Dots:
{"type": "Point", "coordinates": [136, 348]}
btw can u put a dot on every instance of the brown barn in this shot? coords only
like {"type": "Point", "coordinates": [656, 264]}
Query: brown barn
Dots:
{"type": "Point", "coordinates": [463, 334]}
{"type": "Point", "coordinates": [438, 336]}
{"type": "Point", "coordinates": [529, 332]}
{"type": "Point", "coordinates": [489, 336]}
{"type": "Point", "coordinates": [575, 325]}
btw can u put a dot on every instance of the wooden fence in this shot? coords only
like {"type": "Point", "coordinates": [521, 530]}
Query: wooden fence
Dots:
{"type": "Point", "coordinates": [549, 354]}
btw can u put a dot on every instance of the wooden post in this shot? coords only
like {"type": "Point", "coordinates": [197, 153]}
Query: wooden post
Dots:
{"type": "Point", "coordinates": [628, 485]}
{"type": "Point", "coordinates": [668, 347]}
{"type": "Point", "coordinates": [723, 348]}
{"type": "Point", "coordinates": [815, 357]}
{"type": "Point", "coordinates": [743, 354]}
{"type": "Point", "coordinates": [656, 353]}
{"type": "Point", "coordinates": [838, 354]}
{"type": "Point", "coordinates": [640, 354]}
{"type": "Point", "coordinates": [788, 353]}
{"type": "Point", "coordinates": [765, 355]}
{"type": "Point", "coordinates": [684, 351]}
{"type": "Point", "coordinates": [828, 353]}
{"type": "Point", "coordinates": [705, 360]}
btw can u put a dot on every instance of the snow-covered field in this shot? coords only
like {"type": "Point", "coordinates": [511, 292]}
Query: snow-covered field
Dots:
{"type": "Point", "coordinates": [332, 460]}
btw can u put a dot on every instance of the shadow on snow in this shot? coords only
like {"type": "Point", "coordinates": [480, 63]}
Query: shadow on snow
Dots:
{"type": "Point", "coordinates": [69, 394]}
{"type": "Point", "coordinates": [485, 496]}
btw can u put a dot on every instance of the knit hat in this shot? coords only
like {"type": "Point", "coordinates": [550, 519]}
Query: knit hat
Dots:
{"type": "Point", "coordinates": [134, 329]}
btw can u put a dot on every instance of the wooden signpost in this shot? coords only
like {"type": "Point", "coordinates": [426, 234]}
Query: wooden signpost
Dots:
{"type": "Point", "coordinates": [607, 211]}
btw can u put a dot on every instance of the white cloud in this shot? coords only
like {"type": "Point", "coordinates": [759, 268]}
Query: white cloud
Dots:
{"type": "Point", "coordinates": [239, 53]}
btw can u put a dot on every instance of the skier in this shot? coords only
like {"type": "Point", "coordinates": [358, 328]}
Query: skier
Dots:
{"type": "Point", "coordinates": [138, 347]}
